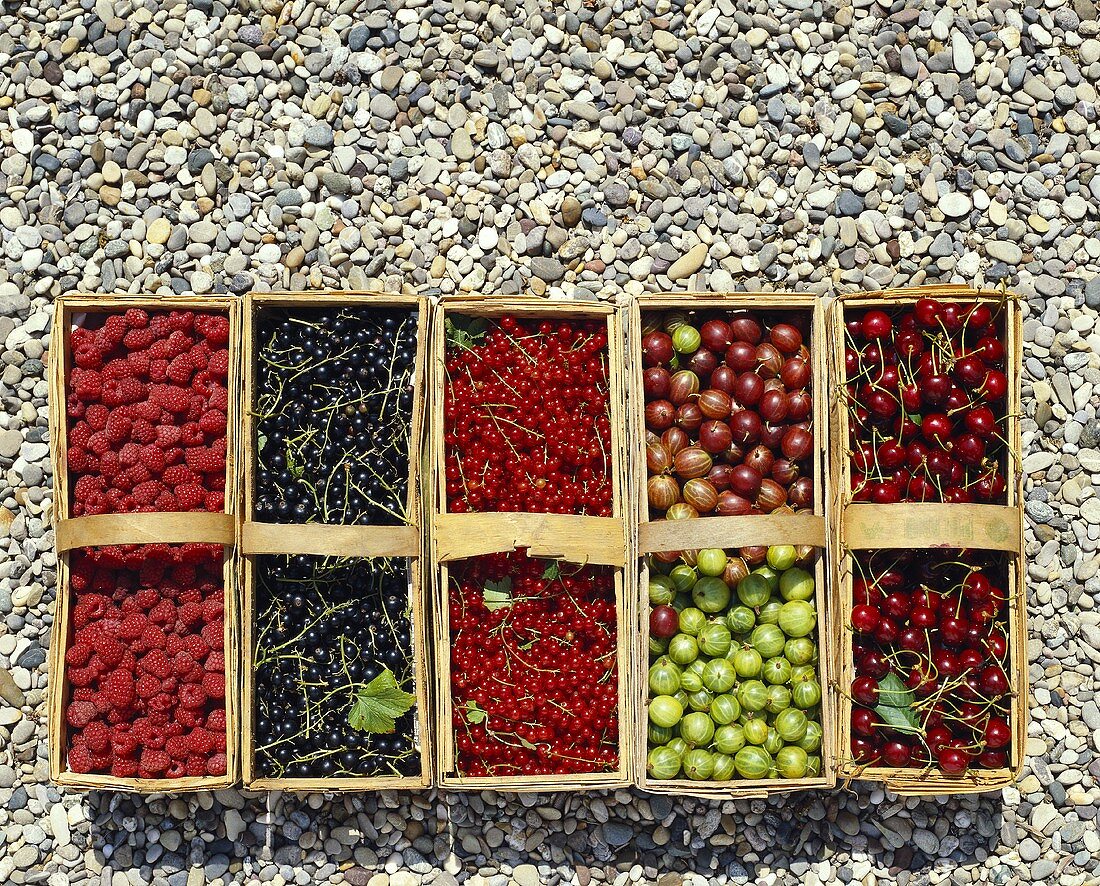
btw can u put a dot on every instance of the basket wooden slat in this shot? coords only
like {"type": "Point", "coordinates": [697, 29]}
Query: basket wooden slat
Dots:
{"type": "Point", "coordinates": [320, 539]}
{"type": "Point", "coordinates": [552, 536]}
{"type": "Point", "coordinates": [928, 525]}
{"type": "Point", "coordinates": [808, 527]}
{"type": "Point", "coordinates": [133, 529]}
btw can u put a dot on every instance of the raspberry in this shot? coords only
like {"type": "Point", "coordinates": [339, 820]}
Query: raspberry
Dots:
{"type": "Point", "coordinates": [194, 553]}
{"type": "Point", "coordinates": [80, 434]}
{"type": "Point", "coordinates": [118, 688]}
{"type": "Point", "coordinates": [200, 741]}
{"type": "Point", "coordinates": [214, 328]}
{"type": "Point", "coordinates": [196, 767]}
{"type": "Point", "coordinates": [190, 614]}
{"type": "Point", "coordinates": [178, 475]}
{"type": "Point", "coordinates": [215, 662]}
{"type": "Point", "coordinates": [205, 461]}
{"type": "Point", "coordinates": [153, 637]}
{"type": "Point", "coordinates": [133, 625]}
{"type": "Point", "coordinates": [147, 598]}
{"type": "Point", "coordinates": [147, 686]}
{"type": "Point", "coordinates": [118, 427]}
{"type": "Point", "coordinates": [97, 737]}
{"type": "Point", "coordinates": [114, 328]}
{"type": "Point", "coordinates": [99, 442]}
{"type": "Point", "coordinates": [194, 645]}
{"type": "Point", "coordinates": [217, 764]}
{"type": "Point", "coordinates": [109, 650]}
{"type": "Point", "coordinates": [124, 741]}
{"type": "Point", "coordinates": [143, 432]}
{"type": "Point", "coordinates": [78, 654]}
{"type": "Point", "coordinates": [162, 702]}
{"type": "Point", "coordinates": [138, 339]}
{"type": "Point", "coordinates": [120, 368]}
{"type": "Point", "coordinates": [164, 613]}
{"type": "Point", "coordinates": [191, 434]}
{"type": "Point", "coordinates": [218, 399]}
{"type": "Point", "coordinates": [136, 318]}
{"type": "Point", "coordinates": [182, 663]}
{"type": "Point", "coordinates": [188, 718]}
{"type": "Point", "coordinates": [173, 399]}
{"type": "Point", "coordinates": [124, 768]}
{"type": "Point", "coordinates": [87, 357]}
{"type": "Point", "coordinates": [177, 746]}
{"type": "Point", "coordinates": [213, 423]}
{"type": "Point", "coordinates": [158, 368]}
{"type": "Point", "coordinates": [153, 763]}
{"type": "Point", "coordinates": [146, 411]}
{"type": "Point", "coordinates": [192, 696]}
{"type": "Point", "coordinates": [117, 392]}
{"type": "Point", "coordinates": [214, 634]}
{"type": "Point", "coordinates": [87, 384]}
{"type": "Point", "coordinates": [156, 662]}
{"type": "Point", "coordinates": [146, 493]}
{"type": "Point", "coordinates": [180, 369]}
{"type": "Point", "coordinates": [80, 713]}
{"type": "Point", "coordinates": [80, 759]}
{"type": "Point", "coordinates": [214, 685]}
{"type": "Point", "coordinates": [216, 721]}
{"type": "Point", "coordinates": [82, 676]}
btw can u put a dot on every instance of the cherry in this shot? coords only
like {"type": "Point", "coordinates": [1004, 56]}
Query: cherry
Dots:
{"type": "Point", "coordinates": [864, 721]}
{"type": "Point", "coordinates": [922, 617]}
{"type": "Point", "coordinates": [896, 753]}
{"type": "Point", "coordinates": [935, 389]}
{"type": "Point", "coordinates": [863, 749]}
{"type": "Point", "coordinates": [953, 761]}
{"type": "Point", "coordinates": [981, 421]}
{"type": "Point", "coordinates": [936, 428]}
{"type": "Point", "coordinates": [865, 619]}
{"type": "Point", "coordinates": [994, 387]}
{"type": "Point", "coordinates": [954, 630]}
{"type": "Point", "coordinates": [873, 664]}
{"type": "Point", "coordinates": [865, 691]}
{"type": "Point", "coordinates": [998, 733]}
{"type": "Point", "coordinates": [993, 759]}
{"type": "Point", "coordinates": [876, 325]}
{"type": "Point", "coordinates": [897, 605]}
{"type": "Point", "coordinates": [994, 683]}
{"type": "Point", "coordinates": [913, 640]}
{"type": "Point", "coordinates": [937, 737]}
{"type": "Point", "coordinates": [991, 351]}
{"type": "Point", "coordinates": [970, 370]}
{"type": "Point", "coordinates": [927, 311]}
{"type": "Point", "coordinates": [664, 622]}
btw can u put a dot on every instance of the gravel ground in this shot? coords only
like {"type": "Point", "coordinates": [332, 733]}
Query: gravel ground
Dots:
{"type": "Point", "coordinates": [575, 150]}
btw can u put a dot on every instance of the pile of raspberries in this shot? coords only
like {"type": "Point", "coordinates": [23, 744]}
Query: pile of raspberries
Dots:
{"type": "Point", "coordinates": [147, 662]}
{"type": "Point", "coordinates": [147, 406]}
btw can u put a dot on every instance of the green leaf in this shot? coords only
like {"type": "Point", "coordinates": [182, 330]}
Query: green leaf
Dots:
{"type": "Point", "coordinates": [901, 719]}
{"type": "Point", "coordinates": [474, 714]}
{"type": "Point", "coordinates": [465, 332]}
{"type": "Point", "coordinates": [893, 693]}
{"type": "Point", "coordinates": [895, 705]}
{"type": "Point", "coordinates": [379, 703]}
{"type": "Point", "coordinates": [527, 744]}
{"type": "Point", "coordinates": [497, 594]}
{"type": "Point", "coordinates": [261, 442]}
{"type": "Point", "coordinates": [296, 470]}
{"type": "Point", "coordinates": [553, 571]}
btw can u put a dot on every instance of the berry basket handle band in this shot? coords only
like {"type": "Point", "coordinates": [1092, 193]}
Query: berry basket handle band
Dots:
{"type": "Point", "coordinates": [144, 528]}
{"type": "Point", "coordinates": [326, 540]}
{"type": "Point", "coordinates": [933, 525]}
{"type": "Point", "coordinates": [799, 528]}
{"type": "Point", "coordinates": [599, 541]}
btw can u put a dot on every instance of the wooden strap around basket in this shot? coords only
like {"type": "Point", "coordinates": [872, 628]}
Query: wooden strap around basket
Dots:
{"type": "Point", "coordinates": [328, 540]}
{"type": "Point", "coordinates": [933, 525]}
{"type": "Point", "coordinates": [129, 529]}
{"type": "Point", "coordinates": [597, 540]}
{"type": "Point", "coordinates": [731, 532]}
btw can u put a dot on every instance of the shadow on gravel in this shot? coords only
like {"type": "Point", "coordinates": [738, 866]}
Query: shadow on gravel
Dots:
{"type": "Point", "coordinates": [572, 834]}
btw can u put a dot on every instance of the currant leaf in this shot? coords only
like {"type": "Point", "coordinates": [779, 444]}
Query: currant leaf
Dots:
{"type": "Point", "coordinates": [893, 693]}
{"type": "Point", "coordinates": [465, 332]}
{"type": "Point", "coordinates": [474, 714]}
{"type": "Point", "coordinates": [553, 571]}
{"type": "Point", "coordinates": [497, 594]}
{"type": "Point", "coordinates": [379, 703]}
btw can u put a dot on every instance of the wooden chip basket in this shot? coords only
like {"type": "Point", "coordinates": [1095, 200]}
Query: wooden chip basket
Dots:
{"type": "Point", "coordinates": [322, 539]}
{"type": "Point", "coordinates": [730, 532]}
{"type": "Point", "coordinates": [986, 527]}
{"type": "Point", "coordinates": [577, 539]}
{"type": "Point", "coordinates": [107, 529]}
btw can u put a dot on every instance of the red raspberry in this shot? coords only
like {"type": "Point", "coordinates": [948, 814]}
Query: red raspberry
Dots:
{"type": "Point", "coordinates": [181, 320]}
{"type": "Point", "coordinates": [117, 392]}
{"type": "Point", "coordinates": [213, 423]}
{"type": "Point", "coordinates": [214, 634]}
{"type": "Point", "coordinates": [134, 625]}
{"type": "Point", "coordinates": [216, 721]}
{"type": "Point", "coordinates": [195, 553]}
{"type": "Point", "coordinates": [119, 426]}
{"type": "Point", "coordinates": [214, 685]}
{"type": "Point", "coordinates": [190, 614]}
{"type": "Point", "coordinates": [80, 759]}
{"type": "Point", "coordinates": [78, 654]}
{"type": "Point", "coordinates": [158, 368]}
{"type": "Point", "coordinates": [146, 411]}
{"type": "Point", "coordinates": [96, 416]}
{"type": "Point", "coordinates": [143, 432]}
{"type": "Point", "coordinates": [196, 767]}
{"type": "Point", "coordinates": [136, 318]}
{"type": "Point", "coordinates": [80, 435]}
{"type": "Point", "coordinates": [153, 763]}
{"type": "Point", "coordinates": [87, 384]}
{"type": "Point", "coordinates": [114, 328]}
{"type": "Point", "coordinates": [188, 718]}
{"type": "Point", "coordinates": [218, 399]}
{"type": "Point", "coordinates": [124, 768]}
{"type": "Point", "coordinates": [138, 339]}
{"type": "Point", "coordinates": [192, 696]}
{"type": "Point", "coordinates": [81, 676]}
{"type": "Point", "coordinates": [139, 363]}
{"type": "Point", "coordinates": [178, 475]}
{"type": "Point", "coordinates": [177, 746]}
{"type": "Point", "coordinates": [194, 645]}
{"type": "Point", "coordinates": [146, 493]}
{"type": "Point", "coordinates": [118, 688]}
{"type": "Point", "coordinates": [215, 662]}
{"type": "Point", "coordinates": [80, 713]}
{"type": "Point", "coordinates": [182, 663]}
{"type": "Point", "coordinates": [124, 742]}
{"type": "Point", "coordinates": [118, 368]}
{"type": "Point", "coordinates": [180, 369]}
{"type": "Point", "coordinates": [147, 686]}
{"type": "Point", "coordinates": [109, 650]}
{"type": "Point", "coordinates": [173, 399]}
{"type": "Point", "coordinates": [214, 328]}
{"type": "Point", "coordinates": [217, 764]}
{"type": "Point", "coordinates": [191, 434]}
{"type": "Point", "coordinates": [147, 598]}
{"type": "Point", "coordinates": [214, 502]}
{"type": "Point", "coordinates": [88, 357]}
{"type": "Point", "coordinates": [205, 461]}
{"type": "Point", "coordinates": [156, 662]}
{"type": "Point", "coordinates": [200, 741]}
{"type": "Point", "coordinates": [164, 613]}
{"type": "Point", "coordinates": [97, 737]}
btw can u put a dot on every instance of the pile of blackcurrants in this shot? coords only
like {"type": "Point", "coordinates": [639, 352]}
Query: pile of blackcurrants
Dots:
{"type": "Point", "coordinates": [334, 405]}
{"type": "Point", "coordinates": [327, 628]}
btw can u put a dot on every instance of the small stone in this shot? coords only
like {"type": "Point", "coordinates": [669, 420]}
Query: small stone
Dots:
{"type": "Point", "coordinates": [688, 263]}
{"type": "Point", "coordinates": [954, 205]}
{"type": "Point", "coordinates": [159, 231]}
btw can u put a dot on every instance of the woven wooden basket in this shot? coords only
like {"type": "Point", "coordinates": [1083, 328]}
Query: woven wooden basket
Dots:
{"type": "Point", "coordinates": [866, 526]}
{"type": "Point", "coordinates": [323, 539]}
{"type": "Point", "coordinates": [730, 532]}
{"type": "Point", "coordinates": [91, 531]}
{"type": "Point", "coordinates": [577, 539]}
